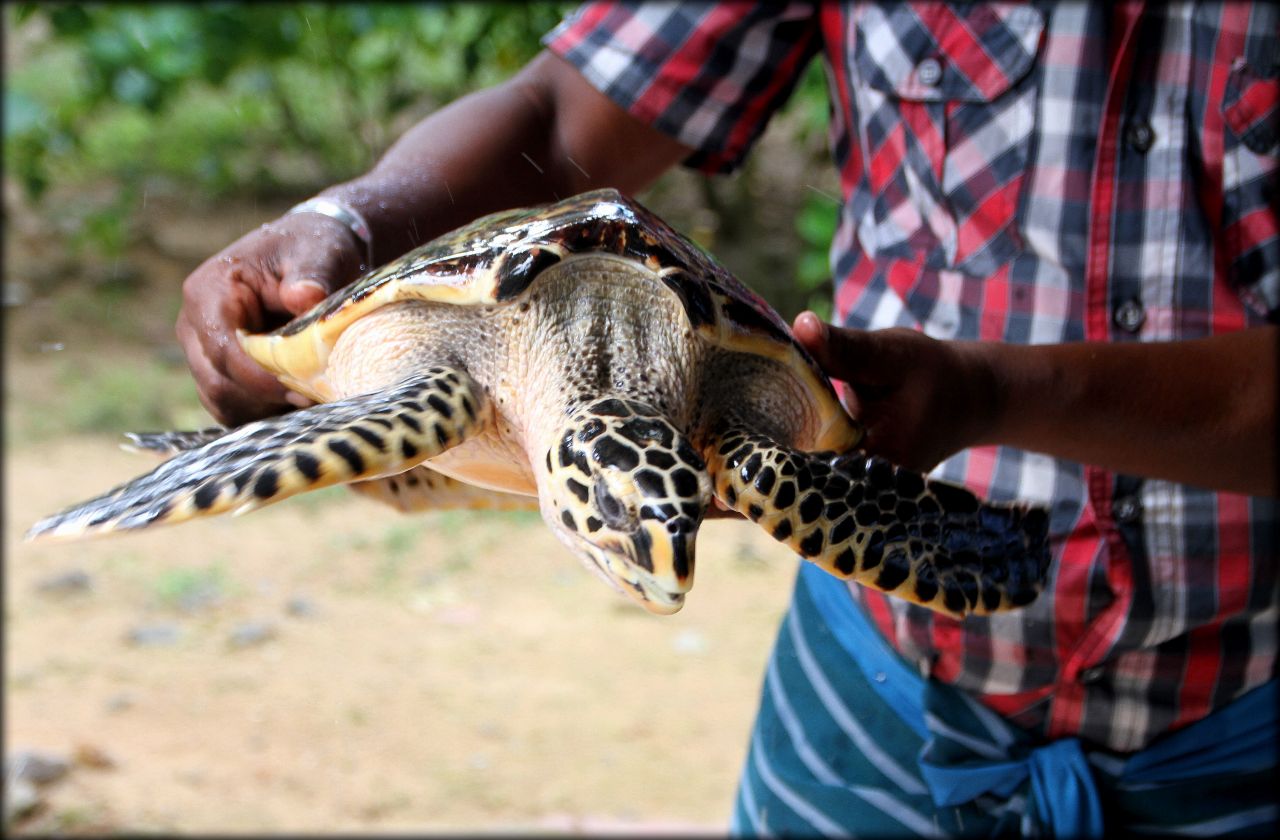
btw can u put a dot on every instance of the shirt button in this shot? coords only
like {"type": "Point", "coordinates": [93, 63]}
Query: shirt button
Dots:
{"type": "Point", "coordinates": [1091, 675]}
{"type": "Point", "coordinates": [1129, 316]}
{"type": "Point", "coordinates": [1141, 136]}
{"type": "Point", "coordinates": [1127, 509]}
{"type": "Point", "coordinates": [929, 72]}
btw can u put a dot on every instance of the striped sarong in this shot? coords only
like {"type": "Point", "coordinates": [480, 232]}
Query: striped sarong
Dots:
{"type": "Point", "coordinates": [851, 741]}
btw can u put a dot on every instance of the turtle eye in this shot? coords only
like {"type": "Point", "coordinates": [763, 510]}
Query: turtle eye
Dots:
{"type": "Point", "coordinates": [612, 511]}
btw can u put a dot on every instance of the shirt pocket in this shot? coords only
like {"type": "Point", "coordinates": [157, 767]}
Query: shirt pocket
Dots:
{"type": "Point", "coordinates": [1251, 181]}
{"type": "Point", "coordinates": [946, 105]}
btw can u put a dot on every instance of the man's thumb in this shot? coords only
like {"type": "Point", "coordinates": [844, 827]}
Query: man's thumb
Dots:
{"type": "Point", "coordinates": [824, 343]}
{"type": "Point", "coordinates": [300, 291]}
{"type": "Point", "coordinates": [853, 356]}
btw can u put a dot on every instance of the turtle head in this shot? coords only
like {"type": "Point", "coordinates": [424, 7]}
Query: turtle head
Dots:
{"type": "Point", "coordinates": [626, 492]}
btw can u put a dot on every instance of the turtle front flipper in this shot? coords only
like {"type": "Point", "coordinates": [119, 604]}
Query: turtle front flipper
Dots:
{"type": "Point", "coordinates": [418, 489]}
{"type": "Point", "coordinates": [862, 518]}
{"type": "Point", "coordinates": [354, 439]}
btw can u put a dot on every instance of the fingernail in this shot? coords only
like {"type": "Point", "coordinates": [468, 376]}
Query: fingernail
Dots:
{"type": "Point", "coordinates": [813, 322]}
{"type": "Point", "coordinates": [294, 398]}
{"type": "Point", "coordinates": [303, 282]}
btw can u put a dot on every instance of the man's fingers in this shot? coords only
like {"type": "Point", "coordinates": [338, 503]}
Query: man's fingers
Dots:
{"type": "Point", "coordinates": [227, 401]}
{"type": "Point", "coordinates": [256, 284]}
{"type": "Point", "coordinates": [233, 387]}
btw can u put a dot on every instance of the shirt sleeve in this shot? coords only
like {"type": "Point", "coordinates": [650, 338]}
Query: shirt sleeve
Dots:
{"type": "Point", "coordinates": [708, 74]}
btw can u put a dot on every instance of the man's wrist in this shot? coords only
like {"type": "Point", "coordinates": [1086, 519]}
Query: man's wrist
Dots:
{"type": "Point", "coordinates": [993, 380]}
{"type": "Point", "coordinates": [344, 213]}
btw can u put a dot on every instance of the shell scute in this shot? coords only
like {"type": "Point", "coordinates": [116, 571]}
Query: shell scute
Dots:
{"type": "Point", "coordinates": [495, 258]}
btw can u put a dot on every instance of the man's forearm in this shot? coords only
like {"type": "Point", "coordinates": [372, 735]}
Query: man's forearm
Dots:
{"type": "Point", "coordinates": [544, 134]}
{"type": "Point", "coordinates": [1200, 412]}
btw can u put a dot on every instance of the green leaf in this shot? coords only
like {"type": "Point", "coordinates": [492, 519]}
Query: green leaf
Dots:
{"type": "Point", "coordinates": [135, 87]}
{"type": "Point", "coordinates": [23, 114]}
{"type": "Point", "coordinates": [68, 20]}
{"type": "Point", "coordinates": [816, 221]}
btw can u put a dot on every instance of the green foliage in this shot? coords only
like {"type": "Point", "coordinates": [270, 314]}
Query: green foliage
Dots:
{"type": "Point", "coordinates": [816, 225]}
{"type": "Point", "coordinates": [265, 98]}
{"type": "Point", "coordinates": [105, 103]}
{"type": "Point", "coordinates": [145, 394]}
{"type": "Point", "coordinates": [818, 215]}
{"type": "Point", "coordinates": [810, 101]}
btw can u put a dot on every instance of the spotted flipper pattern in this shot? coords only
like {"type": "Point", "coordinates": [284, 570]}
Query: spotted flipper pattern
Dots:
{"type": "Point", "coordinates": [422, 488]}
{"type": "Point", "coordinates": [359, 438]}
{"type": "Point", "coordinates": [415, 490]}
{"type": "Point", "coordinates": [861, 518]}
{"type": "Point", "coordinates": [171, 443]}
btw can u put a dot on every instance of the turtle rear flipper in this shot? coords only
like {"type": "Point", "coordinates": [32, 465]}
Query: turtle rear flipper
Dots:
{"type": "Point", "coordinates": [171, 443]}
{"type": "Point", "coordinates": [359, 438]}
{"type": "Point", "coordinates": [862, 518]}
{"type": "Point", "coordinates": [423, 488]}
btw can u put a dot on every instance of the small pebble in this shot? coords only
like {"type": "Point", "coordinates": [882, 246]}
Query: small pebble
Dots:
{"type": "Point", "coordinates": [74, 582]}
{"type": "Point", "coordinates": [153, 635]}
{"type": "Point", "coordinates": [690, 642]}
{"type": "Point", "coordinates": [20, 799]}
{"type": "Point", "coordinates": [119, 702]}
{"type": "Point", "coordinates": [251, 633]}
{"type": "Point", "coordinates": [93, 756]}
{"type": "Point", "coordinates": [15, 293]}
{"type": "Point", "coordinates": [300, 606]}
{"type": "Point", "coordinates": [205, 596]}
{"type": "Point", "coordinates": [36, 766]}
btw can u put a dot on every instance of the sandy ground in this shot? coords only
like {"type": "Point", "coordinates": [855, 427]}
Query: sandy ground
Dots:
{"type": "Point", "coordinates": [449, 671]}
{"type": "Point", "coordinates": [327, 665]}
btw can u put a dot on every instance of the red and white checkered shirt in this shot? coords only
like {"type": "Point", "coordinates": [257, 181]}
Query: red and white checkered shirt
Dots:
{"type": "Point", "coordinates": [1030, 173]}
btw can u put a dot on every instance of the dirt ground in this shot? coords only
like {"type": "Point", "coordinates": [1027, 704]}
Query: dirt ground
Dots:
{"type": "Point", "coordinates": [327, 665]}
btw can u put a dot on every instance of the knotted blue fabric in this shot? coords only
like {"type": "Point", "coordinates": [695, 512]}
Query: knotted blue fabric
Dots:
{"type": "Point", "coordinates": [970, 751]}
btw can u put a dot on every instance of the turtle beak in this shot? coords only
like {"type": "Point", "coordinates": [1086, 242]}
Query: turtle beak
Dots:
{"type": "Point", "coordinates": [658, 567]}
{"type": "Point", "coordinates": [665, 551]}
{"type": "Point", "coordinates": [653, 565]}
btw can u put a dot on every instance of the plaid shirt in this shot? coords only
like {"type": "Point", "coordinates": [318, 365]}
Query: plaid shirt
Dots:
{"type": "Point", "coordinates": [1030, 173]}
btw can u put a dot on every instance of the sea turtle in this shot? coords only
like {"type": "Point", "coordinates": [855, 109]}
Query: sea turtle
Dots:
{"type": "Point", "coordinates": [586, 353]}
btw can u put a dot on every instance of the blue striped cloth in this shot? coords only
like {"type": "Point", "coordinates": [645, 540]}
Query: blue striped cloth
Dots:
{"type": "Point", "coordinates": [850, 740]}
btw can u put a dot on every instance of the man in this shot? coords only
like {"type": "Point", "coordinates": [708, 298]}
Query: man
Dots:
{"type": "Point", "coordinates": [1067, 217]}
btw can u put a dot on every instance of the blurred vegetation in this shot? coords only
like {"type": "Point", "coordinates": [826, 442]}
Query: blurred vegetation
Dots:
{"type": "Point", "coordinates": [106, 102]}
{"type": "Point", "coordinates": [220, 98]}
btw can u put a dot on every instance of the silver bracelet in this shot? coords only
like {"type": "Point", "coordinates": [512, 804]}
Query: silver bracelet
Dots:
{"type": "Point", "coordinates": [348, 216]}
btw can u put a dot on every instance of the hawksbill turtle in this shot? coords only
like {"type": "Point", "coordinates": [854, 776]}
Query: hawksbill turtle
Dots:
{"type": "Point", "coordinates": [585, 354]}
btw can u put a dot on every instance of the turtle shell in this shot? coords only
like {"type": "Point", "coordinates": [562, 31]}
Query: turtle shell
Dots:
{"type": "Point", "coordinates": [495, 258]}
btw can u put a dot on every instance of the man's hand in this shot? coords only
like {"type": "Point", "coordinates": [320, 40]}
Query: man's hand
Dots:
{"type": "Point", "coordinates": [542, 135]}
{"type": "Point", "coordinates": [257, 283]}
{"type": "Point", "coordinates": [920, 399]}
{"type": "Point", "coordinates": [1200, 411]}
